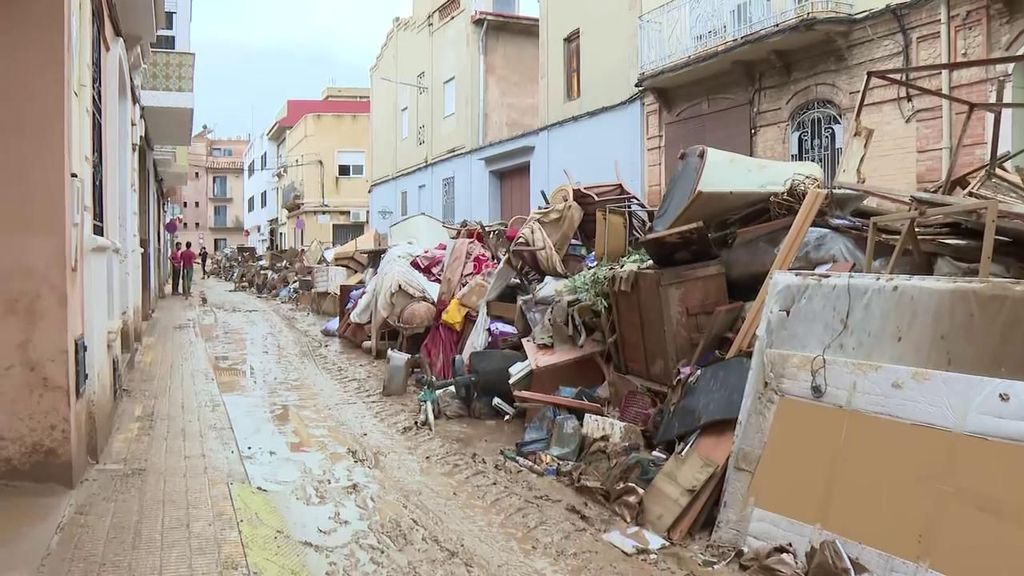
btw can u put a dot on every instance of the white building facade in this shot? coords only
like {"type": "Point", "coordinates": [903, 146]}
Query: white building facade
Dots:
{"type": "Point", "coordinates": [262, 206]}
{"type": "Point", "coordinates": [174, 26]}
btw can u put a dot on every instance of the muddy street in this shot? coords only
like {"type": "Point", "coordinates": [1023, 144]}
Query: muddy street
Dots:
{"type": "Point", "coordinates": [343, 482]}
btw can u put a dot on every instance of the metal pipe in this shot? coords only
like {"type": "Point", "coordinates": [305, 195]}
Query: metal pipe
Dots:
{"type": "Point", "coordinates": [947, 105]}
{"type": "Point", "coordinates": [483, 83]}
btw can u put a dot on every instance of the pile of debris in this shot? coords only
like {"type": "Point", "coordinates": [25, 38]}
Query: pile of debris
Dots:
{"type": "Point", "coordinates": [311, 276]}
{"type": "Point", "coordinates": [621, 337]}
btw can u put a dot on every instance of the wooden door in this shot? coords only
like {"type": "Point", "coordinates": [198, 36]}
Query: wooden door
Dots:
{"type": "Point", "coordinates": [725, 128]}
{"type": "Point", "coordinates": [515, 192]}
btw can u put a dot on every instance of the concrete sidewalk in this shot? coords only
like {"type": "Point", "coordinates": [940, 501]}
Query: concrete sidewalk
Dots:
{"type": "Point", "coordinates": [159, 501]}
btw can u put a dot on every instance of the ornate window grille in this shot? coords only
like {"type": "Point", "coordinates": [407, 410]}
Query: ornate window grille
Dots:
{"type": "Point", "coordinates": [816, 135]}
{"type": "Point", "coordinates": [448, 200]}
{"type": "Point", "coordinates": [97, 121]}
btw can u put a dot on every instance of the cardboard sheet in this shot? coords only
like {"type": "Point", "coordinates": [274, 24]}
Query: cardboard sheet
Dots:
{"type": "Point", "coordinates": [928, 495]}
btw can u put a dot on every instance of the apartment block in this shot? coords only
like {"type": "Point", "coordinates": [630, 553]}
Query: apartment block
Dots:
{"type": "Point", "coordinates": [482, 108]}
{"type": "Point", "coordinates": [780, 79]}
{"type": "Point", "coordinates": [322, 168]}
{"type": "Point", "coordinates": [262, 203]}
{"type": "Point", "coordinates": [212, 210]}
{"type": "Point", "coordinates": [97, 119]}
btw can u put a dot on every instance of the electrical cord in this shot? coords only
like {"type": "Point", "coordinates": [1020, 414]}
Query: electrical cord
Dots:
{"type": "Point", "coordinates": [818, 363]}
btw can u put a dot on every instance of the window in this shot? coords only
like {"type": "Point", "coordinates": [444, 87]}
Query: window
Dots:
{"type": "Point", "coordinates": [252, 203]}
{"type": "Point", "coordinates": [816, 135]}
{"type": "Point", "coordinates": [222, 152]}
{"type": "Point", "coordinates": [449, 97]}
{"type": "Point", "coordinates": [351, 163]}
{"type": "Point", "coordinates": [220, 244]}
{"type": "Point", "coordinates": [252, 168]}
{"type": "Point", "coordinates": [448, 200]}
{"type": "Point", "coordinates": [421, 198]}
{"type": "Point", "coordinates": [405, 122]}
{"type": "Point", "coordinates": [263, 161]}
{"type": "Point", "coordinates": [220, 186]}
{"type": "Point", "coordinates": [342, 234]}
{"type": "Point", "coordinates": [220, 216]}
{"type": "Point", "coordinates": [196, 174]}
{"type": "Point", "coordinates": [168, 21]}
{"type": "Point", "coordinates": [184, 225]}
{"type": "Point", "coordinates": [506, 7]}
{"type": "Point", "coordinates": [263, 199]}
{"type": "Point", "coordinates": [403, 203]}
{"type": "Point", "coordinates": [197, 204]}
{"type": "Point", "coordinates": [97, 121]}
{"type": "Point", "coordinates": [163, 42]}
{"type": "Point", "coordinates": [572, 65]}
{"type": "Point", "coordinates": [197, 225]}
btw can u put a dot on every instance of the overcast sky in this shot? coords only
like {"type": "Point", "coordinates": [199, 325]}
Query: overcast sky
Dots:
{"type": "Point", "coordinates": [252, 55]}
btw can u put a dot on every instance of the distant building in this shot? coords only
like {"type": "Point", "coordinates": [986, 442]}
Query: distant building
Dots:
{"type": "Point", "coordinates": [481, 108]}
{"type": "Point", "coordinates": [212, 201]}
{"type": "Point", "coordinates": [262, 206]}
{"type": "Point", "coordinates": [322, 169]}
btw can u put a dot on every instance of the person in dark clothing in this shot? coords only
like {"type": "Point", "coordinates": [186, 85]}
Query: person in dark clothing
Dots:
{"type": "Point", "coordinates": [203, 256]}
{"type": "Point", "coordinates": [176, 268]}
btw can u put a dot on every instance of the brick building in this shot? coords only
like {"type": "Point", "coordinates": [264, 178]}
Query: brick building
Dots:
{"type": "Point", "coordinates": [784, 84]}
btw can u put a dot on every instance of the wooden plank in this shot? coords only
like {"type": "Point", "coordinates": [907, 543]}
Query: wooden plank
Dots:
{"type": "Point", "coordinates": [988, 242]}
{"type": "Point", "coordinates": [956, 151]}
{"type": "Point", "coordinates": [560, 353]}
{"type": "Point", "coordinates": [787, 253]}
{"type": "Point", "coordinates": [712, 446]}
{"type": "Point", "coordinates": [696, 507]}
{"type": "Point", "coordinates": [558, 401]}
{"type": "Point", "coordinates": [900, 244]}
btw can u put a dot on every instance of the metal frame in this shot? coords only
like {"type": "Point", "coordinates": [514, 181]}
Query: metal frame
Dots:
{"type": "Point", "coordinates": [888, 75]}
{"type": "Point", "coordinates": [909, 234]}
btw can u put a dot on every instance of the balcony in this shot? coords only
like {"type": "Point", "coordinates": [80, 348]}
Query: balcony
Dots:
{"type": "Point", "coordinates": [513, 8]}
{"type": "Point", "coordinates": [222, 223]}
{"type": "Point", "coordinates": [172, 164]}
{"type": "Point", "coordinates": [167, 97]}
{"type": "Point", "coordinates": [682, 33]}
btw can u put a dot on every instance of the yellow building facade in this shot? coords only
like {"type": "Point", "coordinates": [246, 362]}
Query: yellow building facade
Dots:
{"type": "Point", "coordinates": [323, 167]}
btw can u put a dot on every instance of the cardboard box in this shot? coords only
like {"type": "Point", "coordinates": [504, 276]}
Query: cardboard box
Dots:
{"type": "Point", "coordinates": [503, 311]}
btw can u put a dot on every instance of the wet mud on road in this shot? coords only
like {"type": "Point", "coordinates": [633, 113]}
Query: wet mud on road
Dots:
{"type": "Point", "coordinates": [342, 482]}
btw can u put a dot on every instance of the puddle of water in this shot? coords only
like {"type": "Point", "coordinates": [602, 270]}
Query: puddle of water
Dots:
{"type": "Point", "coordinates": [291, 447]}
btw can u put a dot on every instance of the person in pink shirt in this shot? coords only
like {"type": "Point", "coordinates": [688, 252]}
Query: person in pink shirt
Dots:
{"type": "Point", "coordinates": [175, 268]}
{"type": "Point", "coordinates": [188, 258]}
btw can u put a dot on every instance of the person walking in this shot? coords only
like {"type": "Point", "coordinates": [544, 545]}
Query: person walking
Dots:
{"type": "Point", "coordinates": [203, 256]}
{"type": "Point", "coordinates": [188, 259]}
{"type": "Point", "coordinates": [176, 269]}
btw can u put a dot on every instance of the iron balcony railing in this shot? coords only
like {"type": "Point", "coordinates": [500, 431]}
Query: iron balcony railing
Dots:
{"type": "Point", "coordinates": [684, 28]}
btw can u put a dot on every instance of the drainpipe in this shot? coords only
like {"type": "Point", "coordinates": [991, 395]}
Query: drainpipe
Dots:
{"type": "Point", "coordinates": [947, 106]}
{"type": "Point", "coordinates": [483, 71]}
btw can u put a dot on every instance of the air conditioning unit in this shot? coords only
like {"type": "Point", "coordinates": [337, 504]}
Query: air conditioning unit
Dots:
{"type": "Point", "coordinates": [357, 215]}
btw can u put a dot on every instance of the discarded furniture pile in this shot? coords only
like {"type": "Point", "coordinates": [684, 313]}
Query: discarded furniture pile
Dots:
{"type": "Point", "coordinates": [726, 363]}
{"type": "Point", "coordinates": [311, 276]}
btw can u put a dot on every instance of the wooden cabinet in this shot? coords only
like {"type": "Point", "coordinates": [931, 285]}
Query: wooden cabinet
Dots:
{"type": "Point", "coordinates": [662, 314]}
